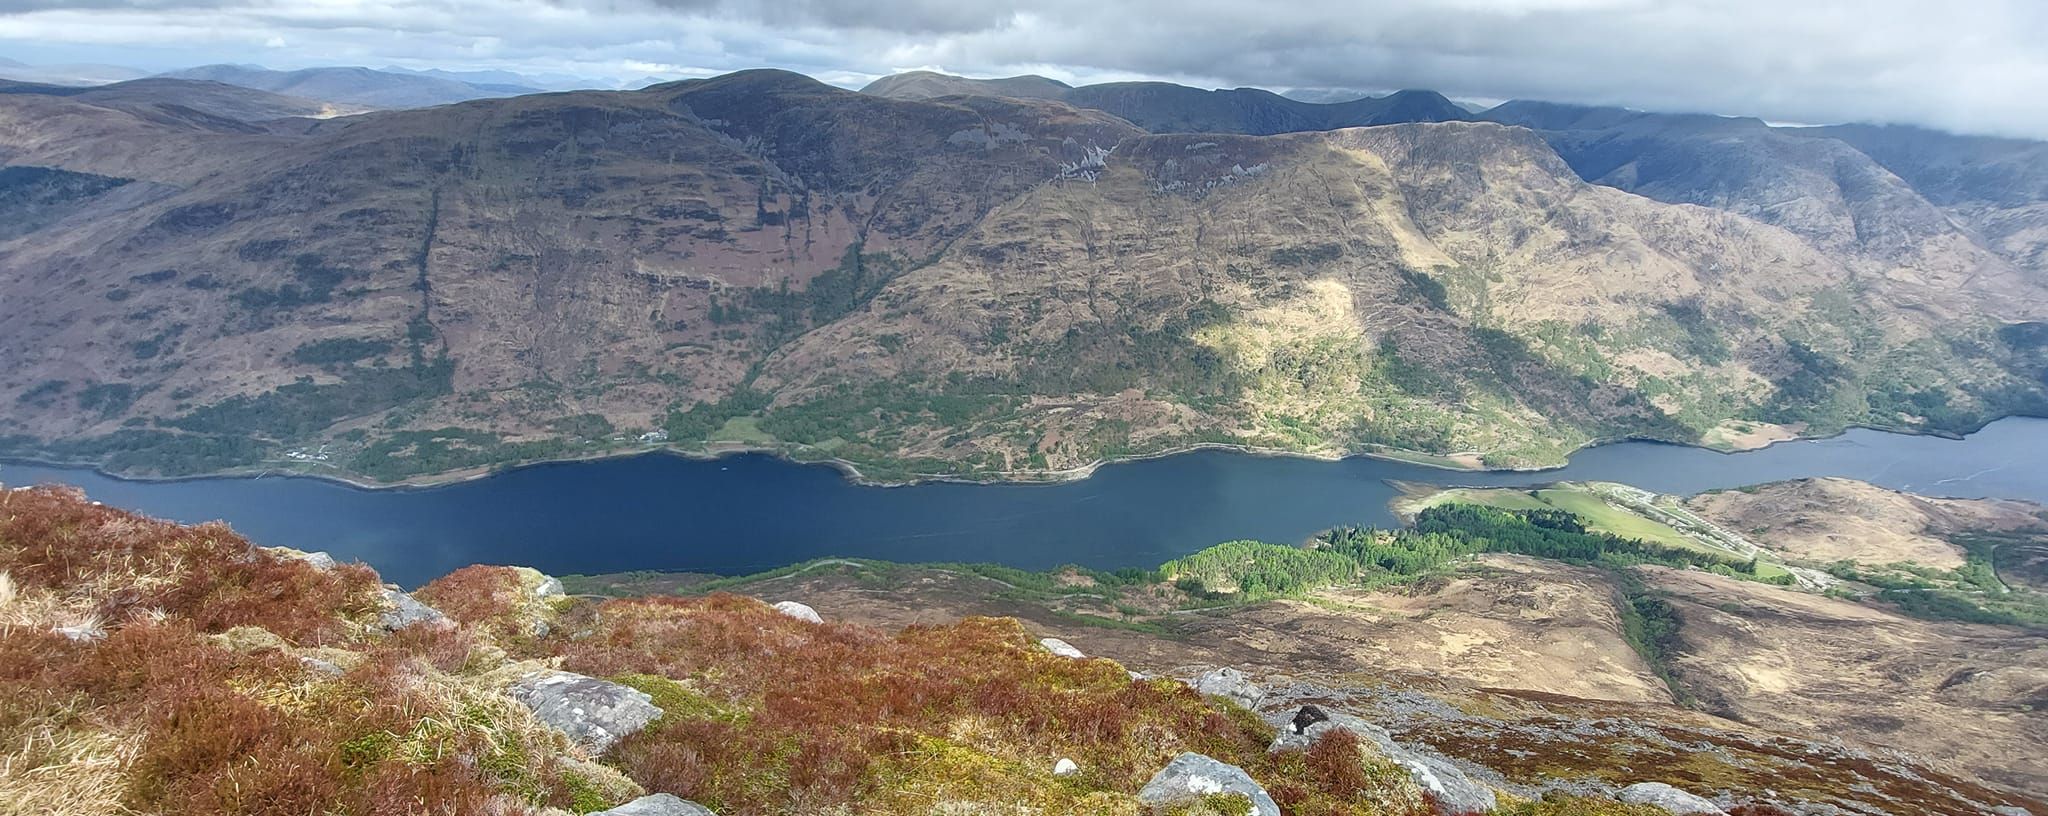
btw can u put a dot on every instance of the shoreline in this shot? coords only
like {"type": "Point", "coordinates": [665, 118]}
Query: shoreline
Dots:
{"type": "Point", "coordinates": [852, 473]}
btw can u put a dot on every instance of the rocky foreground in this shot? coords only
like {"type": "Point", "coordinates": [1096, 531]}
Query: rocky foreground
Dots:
{"type": "Point", "coordinates": [148, 667]}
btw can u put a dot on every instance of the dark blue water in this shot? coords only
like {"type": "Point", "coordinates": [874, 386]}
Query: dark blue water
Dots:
{"type": "Point", "coordinates": [749, 513]}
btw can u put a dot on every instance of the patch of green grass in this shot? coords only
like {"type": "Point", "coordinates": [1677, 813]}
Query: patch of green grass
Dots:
{"type": "Point", "coordinates": [1607, 518]}
{"type": "Point", "coordinates": [745, 430]}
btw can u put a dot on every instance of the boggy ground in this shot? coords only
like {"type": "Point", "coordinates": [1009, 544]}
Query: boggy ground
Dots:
{"type": "Point", "coordinates": [1969, 696]}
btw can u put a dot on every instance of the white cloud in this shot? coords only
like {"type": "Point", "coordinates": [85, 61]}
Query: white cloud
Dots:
{"type": "Point", "coordinates": [1975, 65]}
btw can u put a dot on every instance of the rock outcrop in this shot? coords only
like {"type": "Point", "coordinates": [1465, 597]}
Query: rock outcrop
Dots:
{"type": "Point", "coordinates": [594, 713]}
{"type": "Point", "coordinates": [799, 611]}
{"type": "Point", "coordinates": [403, 610]}
{"type": "Point", "coordinates": [660, 804]}
{"type": "Point", "coordinates": [1671, 799]}
{"type": "Point", "coordinates": [1450, 787]}
{"type": "Point", "coordinates": [1061, 648]}
{"type": "Point", "coordinates": [1193, 777]}
{"type": "Point", "coordinates": [1229, 684]}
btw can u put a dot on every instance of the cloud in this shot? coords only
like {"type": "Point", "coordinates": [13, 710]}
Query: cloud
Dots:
{"type": "Point", "coordinates": [1971, 65]}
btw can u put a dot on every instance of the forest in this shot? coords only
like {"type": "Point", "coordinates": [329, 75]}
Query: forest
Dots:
{"type": "Point", "coordinates": [1251, 570]}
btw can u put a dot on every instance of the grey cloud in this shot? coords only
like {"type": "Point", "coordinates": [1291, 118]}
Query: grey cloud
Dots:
{"type": "Point", "coordinates": [900, 16]}
{"type": "Point", "coordinates": [24, 6]}
{"type": "Point", "coordinates": [1972, 65]}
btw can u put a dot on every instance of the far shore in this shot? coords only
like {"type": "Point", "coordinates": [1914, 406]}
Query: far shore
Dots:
{"type": "Point", "coordinates": [1448, 463]}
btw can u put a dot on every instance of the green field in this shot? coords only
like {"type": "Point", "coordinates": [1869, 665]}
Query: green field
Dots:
{"type": "Point", "coordinates": [746, 430]}
{"type": "Point", "coordinates": [1599, 514]}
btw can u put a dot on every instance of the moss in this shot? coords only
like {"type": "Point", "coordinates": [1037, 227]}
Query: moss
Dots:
{"type": "Point", "coordinates": [679, 703]}
{"type": "Point", "coordinates": [1214, 804]}
{"type": "Point", "coordinates": [369, 749]}
{"type": "Point", "coordinates": [1565, 805]}
{"type": "Point", "coordinates": [583, 794]}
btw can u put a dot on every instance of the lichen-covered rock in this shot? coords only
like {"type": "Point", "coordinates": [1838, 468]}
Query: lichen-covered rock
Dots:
{"type": "Point", "coordinates": [1229, 684]}
{"type": "Point", "coordinates": [659, 804]}
{"type": "Point", "coordinates": [1673, 800]}
{"type": "Point", "coordinates": [549, 587]}
{"type": "Point", "coordinates": [799, 611]}
{"type": "Point", "coordinates": [1191, 777]}
{"type": "Point", "coordinates": [318, 560]}
{"type": "Point", "coordinates": [593, 713]}
{"type": "Point", "coordinates": [1061, 648]}
{"type": "Point", "coordinates": [402, 610]}
{"type": "Point", "coordinates": [324, 668]}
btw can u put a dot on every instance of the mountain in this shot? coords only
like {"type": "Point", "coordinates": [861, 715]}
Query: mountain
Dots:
{"type": "Point", "coordinates": [1163, 107]}
{"type": "Point", "coordinates": [971, 285]}
{"type": "Point", "coordinates": [172, 98]}
{"type": "Point", "coordinates": [363, 87]}
{"type": "Point", "coordinates": [1820, 183]}
{"type": "Point", "coordinates": [80, 74]}
{"type": "Point", "coordinates": [1166, 108]}
{"type": "Point", "coordinates": [930, 84]}
{"type": "Point", "coordinates": [525, 83]}
{"type": "Point", "coordinates": [1323, 96]}
{"type": "Point", "coordinates": [1997, 188]}
{"type": "Point", "coordinates": [1443, 287]}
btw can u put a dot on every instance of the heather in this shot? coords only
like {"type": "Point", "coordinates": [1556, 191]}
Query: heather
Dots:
{"type": "Point", "coordinates": [149, 667]}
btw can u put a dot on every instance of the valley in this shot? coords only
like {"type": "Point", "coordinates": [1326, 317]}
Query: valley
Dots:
{"type": "Point", "coordinates": [969, 409]}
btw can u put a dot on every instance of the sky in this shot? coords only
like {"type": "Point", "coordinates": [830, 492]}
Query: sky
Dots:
{"type": "Point", "coordinates": [1978, 66]}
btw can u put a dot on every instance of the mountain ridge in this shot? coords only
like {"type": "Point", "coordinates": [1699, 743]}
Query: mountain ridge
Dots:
{"type": "Point", "coordinates": [441, 289]}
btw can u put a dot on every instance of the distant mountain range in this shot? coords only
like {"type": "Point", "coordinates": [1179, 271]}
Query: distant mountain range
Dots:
{"type": "Point", "coordinates": [81, 74]}
{"type": "Point", "coordinates": [1008, 279]}
{"type": "Point", "coordinates": [355, 86]}
{"type": "Point", "coordinates": [1162, 107]}
{"type": "Point", "coordinates": [351, 88]}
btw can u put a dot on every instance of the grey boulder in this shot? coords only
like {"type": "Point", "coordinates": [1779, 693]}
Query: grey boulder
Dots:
{"type": "Point", "coordinates": [799, 611]}
{"type": "Point", "coordinates": [1229, 684]}
{"type": "Point", "coordinates": [402, 610]}
{"type": "Point", "coordinates": [659, 804]}
{"type": "Point", "coordinates": [1061, 648]}
{"type": "Point", "coordinates": [1191, 776]}
{"type": "Point", "coordinates": [593, 713]}
{"type": "Point", "coordinates": [1673, 800]}
{"type": "Point", "coordinates": [319, 560]}
{"type": "Point", "coordinates": [1454, 792]}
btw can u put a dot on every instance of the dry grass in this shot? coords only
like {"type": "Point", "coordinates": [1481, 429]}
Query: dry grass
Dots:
{"type": "Point", "coordinates": [194, 698]}
{"type": "Point", "coordinates": [496, 603]}
{"type": "Point", "coordinates": [771, 715]}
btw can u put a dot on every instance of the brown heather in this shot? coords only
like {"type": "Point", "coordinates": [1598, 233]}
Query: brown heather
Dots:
{"type": "Point", "coordinates": [215, 677]}
{"type": "Point", "coordinates": [160, 715]}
